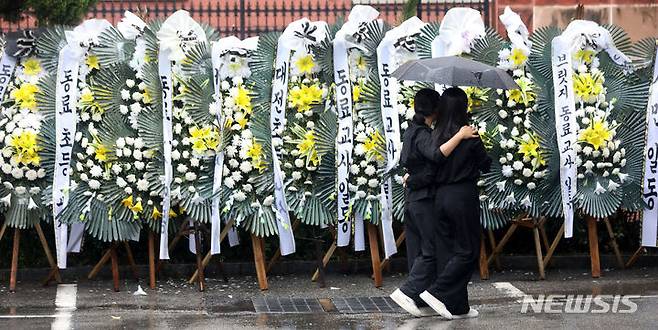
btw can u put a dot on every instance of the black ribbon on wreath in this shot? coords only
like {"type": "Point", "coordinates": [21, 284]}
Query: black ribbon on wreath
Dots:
{"type": "Point", "coordinates": [22, 43]}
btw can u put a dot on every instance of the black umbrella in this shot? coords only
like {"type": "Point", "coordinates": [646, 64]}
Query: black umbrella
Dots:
{"type": "Point", "coordinates": [455, 71]}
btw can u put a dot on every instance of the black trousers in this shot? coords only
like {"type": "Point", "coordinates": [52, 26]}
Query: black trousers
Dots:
{"type": "Point", "coordinates": [458, 208]}
{"type": "Point", "coordinates": [426, 255]}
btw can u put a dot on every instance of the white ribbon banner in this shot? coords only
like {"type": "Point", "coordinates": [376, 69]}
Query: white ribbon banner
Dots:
{"type": "Point", "coordinates": [389, 99]}
{"type": "Point", "coordinates": [164, 71]}
{"type": "Point", "coordinates": [215, 230]}
{"type": "Point", "coordinates": [7, 66]}
{"type": "Point", "coordinates": [517, 32]}
{"type": "Point", "coordinates": [650, 214]}
{"type": "Point", "coordinates": [359, 233]}
{"type": "Point", "coordinates": [66, 99]}
{"type": "Point", "coordinates": [566, 127]}
{"type": "Point", "coordinates": [344, 107]}
{"type": "Point", "coordinates": [577, 34]}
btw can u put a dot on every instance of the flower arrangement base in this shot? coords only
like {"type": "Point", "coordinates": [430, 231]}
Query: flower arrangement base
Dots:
{"type": "Point", "coordinates": [208, 256]}
{"type": "Point", "coordinates": [182, 231]}
{"type": "Point", "coordinates": [257, 244]}
{"type": "Point", "coordinates": [151, 247]}
{"type": "Point", "coordinates": [374, 254]}
{"type": "Point", "coordinates": [593, 238]}
{"type": "Point", "coordinates": [111, 255]}
{"type": "Point", "coordinates": [539, 236]}
{"type": "Point", "coordinates": [13, 273]}
{"type": "Point", "coordinates": [330, 252]}
{"type": "Point", "coordinates": [277, 255]}
{"type": "Point", "coordinates": [483, 266]}
{"type": "Point", "coordinates": [642, 250]}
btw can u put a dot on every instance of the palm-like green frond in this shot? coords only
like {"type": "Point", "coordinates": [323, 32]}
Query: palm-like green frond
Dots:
{"type": "Point", "coordinates": [486, 49]}
{"type": "Point", "coordinates": [198, 61]}
{"type": "Point", "coordinates": [262, 69]}
{"type": "Point", "coordinates": [114, 49]}
{"type": "Point", "coordinates": [197, 98]}
{"type": "Point", "coordinates": [643, 55]}
{"type": "Point", "coordinates": [151, 40]}
{"type": "Point", "coordinates": [370, 109]}
{"type": "Point", "coordinates": [375, 32]}
{"type": "Point", "coordinates": [428, 33]}
{"type": "Point", "coordinates": [108, 83]}
{"type": "Point", "coordinates": [540, 54]}
{"type": "Point", "coordinates": [48, 46]}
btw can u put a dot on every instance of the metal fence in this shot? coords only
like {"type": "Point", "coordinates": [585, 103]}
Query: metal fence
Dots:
{"type": "Point", "coordinates": [252, 17]}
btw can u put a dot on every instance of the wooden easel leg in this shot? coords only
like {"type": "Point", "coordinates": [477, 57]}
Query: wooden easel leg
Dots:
{"type": "Point", "coordinates": [14, 260]}
{"type": "Point", "coordinates": [201, 279]}
{"type": "Point", "coordinates": [320, 261]}
{"type": "Point", "coordinates": [593, 237]}
{"type": "Point", "coordinates": [502, 242]}
{"type": "Point", "coordinates": [398, 242]}
{"type": "Point", "coordinates": [2, 230]}
{"type": "Point", "coordinates": [540, 258]}
{"type": "Point", "coordinates": [131, 260]}
{"type": "Point", "coordinates": [492, 243]}
{"type": "Point", "coordinates": [557, 239]}
{"type": "Point", "coordinates": [259, 261]}
{"type": "Point", "coordinates": [97, 268]}
{"type": "Point", "coordinates": [635, 256]}
{"type": "Point", "coordinates": [613, 241]}
{"type": "Point", "coordinates": [374, 254]}
{"type": "Point", "coordinates": [181, 232]}
{"type": "Point", "coordinates": [51, 260]}
{"type": "Point", "coordinates": [208, 256]}
{"type": "Point", "coordinates": [484, 266]}
{"type": "Point", "coordinates": [151, 246]}
{"type": "Point", "coordinates": [277, 255]}
{"type": "Point", "coordinates": [325, 260]}
{"type": "Point", "coordinates": [115, 267]}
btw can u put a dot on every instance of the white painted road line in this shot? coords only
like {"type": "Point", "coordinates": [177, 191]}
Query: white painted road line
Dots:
{"type": "Point", "coordinates": [26, 316]}
{"type": "Point", "coordinates": [65, 303]}
{"type": "Point", "coordinates": [510, 290]}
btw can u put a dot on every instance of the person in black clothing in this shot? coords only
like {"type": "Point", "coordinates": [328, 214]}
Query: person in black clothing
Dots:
{"type": "Point", "coordinates": [457, 213]}
{"type": "Point", "coordinates": [420, 156]}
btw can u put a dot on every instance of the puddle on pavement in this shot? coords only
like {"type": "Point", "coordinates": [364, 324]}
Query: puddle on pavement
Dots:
{"type": "Point", "coordinates": [238, 306]}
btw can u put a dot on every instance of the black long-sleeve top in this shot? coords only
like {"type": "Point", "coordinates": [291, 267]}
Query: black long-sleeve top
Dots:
{"type": "Point", "coordinates": [420, 157]}
{"type": "Point", "coordinates": [465, 163]}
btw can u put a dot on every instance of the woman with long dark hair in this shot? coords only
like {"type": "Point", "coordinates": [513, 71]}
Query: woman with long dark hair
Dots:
{"type": "Point", "coordinates": [457, 206]}
{"type": "Point", "coordinates": [420, 156]}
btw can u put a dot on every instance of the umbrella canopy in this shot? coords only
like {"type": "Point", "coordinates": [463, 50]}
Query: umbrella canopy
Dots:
{"type": "Point", "coordinates": [455, 71]}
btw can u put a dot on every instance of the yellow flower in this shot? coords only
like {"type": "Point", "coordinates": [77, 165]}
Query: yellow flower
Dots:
{"type": "Point", "coordinates": [356, 93]}
{"type": "Point", "coordinates": [31, 67]}
{"type": "Point", "coordinates": [307, 149]}
{"type": "Point", "coordinates": [588, 86]}
{"type": "Point", "coordinates": [242, 121]}
{"type": "Point", "coordinates": [305, 64]}
{"type": "Point", "coordinates": [361, 63]}
{"type": "Point", "coordinates": [101, 152]}
{"type": "Point", "coordinates": [476, 96]}
{"type": "Point", "coordinates": [92, 62]}
{"type": "Point", "coordinates": [305, 96]}
{"type": "Point", "coordinates": [25, 96]}
{"type": "Point", "coordinates": [374, 146]}
{"type": "Point", "coordinates": [525, 94]}
{"type": "Point", "coordinates": [204, 139]}
{"type": "Point", "coordinates": [518, 57]}
{"type": "Point", "coordinates": [530, 149]}
{"type": "Point", "coordinates": [146, 97]}
{"type": "Point", "coordinates": [172, 213]}
{"type": "Point", "coordinates": [584, 55]}
{"type": "Point", "coordinates": [127, 202]}
{"type": "Point", "coordinates": [597, 134]}
{"type": "Point", "coordinates": [25, 148]}
{"type": "Point", "coordinates": [137, 207]}
{"type": "Point", "coordinates": [156, 213]}
{"type": "Point", "coordinates": [87, 96]}
{"type": "Point", "coordinates": [255, 152]}
{"type": "Point", "coordinates": [243, 100]}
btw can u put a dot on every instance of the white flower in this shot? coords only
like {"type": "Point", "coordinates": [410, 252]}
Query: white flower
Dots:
{"type": "Point", "coordinates": [517, 165]}
{"type": "Point", "coordinates": [587, 150]}
{"type": "Point", "coordinates": [526, 201]}
{"type": "Point", "coordinates": [31, 175]}
{"type": "Point", "coordinates": [622, 177]}
{"type": "Point", "coordinates": [190, 176]}
{"type": "Point", "coordinates": [175, 155]}
{"type": "Point", "coordinates": [518, 182]}
{"type": "Point", "coordinates": [507, 171]}
{"type": "Point", "coordinates": [96, 171]}
{"type": "Point", "coordinates": [296, 175]}
{"type": "Point", "coordinates": [127, 152]}
{"type": "Point", "coordinates": [370, 170]}
{"type": "Point", "coordinates": [502, 160]}
{"type": "Point", "coordinates": [139, 165]}
{"type": "Point", "coordinates": [527, 172]}
{"type": "Point", "coordinates": [131, 178]}
{"type": "Point", "coordinates": [299, 163]}
{"type": "Point", "coordinates": [128, 190]}
{"type": "Point", "coordinates": [137, 154]}
{"type": "Point", "coordinates": [94, 184]}
{"type": "Point", "coordinates": [125, 94]}
{"type": "Point", "coordinates": [612, 185]}
{"type": "Point", "coordinates": [245, 167]}
{"type": "Point", "coordinates": [589, 165]}
{"type": "Point", "coordinates": [138, 143]}
{"type": "Point", "coordinates": [268, 201]}
{"type": "Point", "coordinates": [373, 183]}
{"type": "Point", "coordinates": [116, 169]}
{"type": "Point", "coordinates": [599, 189]}
{"type": "Point", "coordinates": [502, 114]}
{"type": "Point", "coordinates": [121, 182]}
{"type": "Point", "coordinates": [6, 168]}
{"type": "Point", "coordinates": [361, 181]}
{"type": "Point", "coordinates": [531, 185]}
{"type": "Point", "coordinates": [181, 168]}
{"type": "Point", "coordinates": [41, 173]}
{"type": "Point", "coordinates": [510, 199]}
{"type": "Point", "coordinates": [142, 185]}
{"type": "Point", "coordinates": [130, 83]}
{"type": "Point", "coordinates": [239, 196]}
{"type": "Point", "coordinates": [500, 185]}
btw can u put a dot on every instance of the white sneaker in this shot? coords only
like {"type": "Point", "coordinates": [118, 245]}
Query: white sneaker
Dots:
{"type": "Point", "coordinates": [472, 313]}
{"type": "Point", "coordinates": [406, 303]}
{"type": "Point", "coordinates": [436, 304]}
{"type": "Point", "coordinates": [427, 311]}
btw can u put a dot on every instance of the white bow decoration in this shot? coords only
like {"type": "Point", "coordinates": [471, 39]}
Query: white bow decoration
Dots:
{"type": "Point", "coordinates": [580, 33]}
{"type": "Point", "coordinates": [517, 32]}
{"type": "Point", "coordinates": [87, 33]}
{"type": "Point", "coordinates": [131, 25]}
{"type": "Point", "coordinates": [459, 28]}
{"type": "Point", "coordinates": [179, 33]}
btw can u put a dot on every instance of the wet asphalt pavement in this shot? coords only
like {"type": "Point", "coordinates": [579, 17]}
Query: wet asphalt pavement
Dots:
{"type": "Point", "coordinates": [238, 303]}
